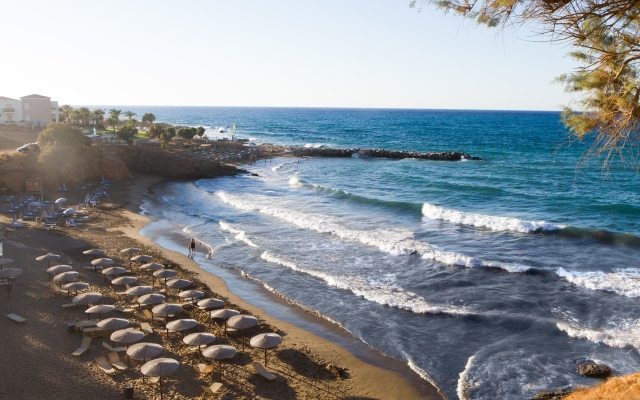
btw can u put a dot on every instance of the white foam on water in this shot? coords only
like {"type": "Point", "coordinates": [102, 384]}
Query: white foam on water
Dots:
{"type": "Point", "coordinates": [471, 262]}
{"type": "Point", "coordinates": [495, 223]}
{"type": "Point", "coordinates": [240, 234]}
{"type": "Point", "coordinates": [627, 334]}
{"type": "Point", "coordinates": [424, 375]}
{"type": "Point", "coordinates": [314, 145]}
{"type": "Point", "coordinates": [295, 180]}
{"type": "Point", "coordinates": [371, 290]}
{"type": "Point", "coordinates": [464, 385]}
{"type": "Point", "coordinates": [625, 282]}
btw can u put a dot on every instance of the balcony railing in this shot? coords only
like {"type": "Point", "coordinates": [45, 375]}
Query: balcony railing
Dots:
{"type": "Point", "coordinates": [8, 110]}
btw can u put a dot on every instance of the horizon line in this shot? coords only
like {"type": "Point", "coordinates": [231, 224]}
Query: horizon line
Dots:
{"type": "Point", "coordinates": [324, 107]}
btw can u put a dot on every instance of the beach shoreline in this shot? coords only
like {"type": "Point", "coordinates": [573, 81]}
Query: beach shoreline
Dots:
{"type": "Point", "coordinates": [371, 380]}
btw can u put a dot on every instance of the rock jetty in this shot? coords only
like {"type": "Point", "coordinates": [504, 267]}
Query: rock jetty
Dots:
{"type": "Point", "coordinates": [380, 153]}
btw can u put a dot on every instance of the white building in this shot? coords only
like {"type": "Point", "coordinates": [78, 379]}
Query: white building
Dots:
{"type": "Point", "coordinates": [30, 111]}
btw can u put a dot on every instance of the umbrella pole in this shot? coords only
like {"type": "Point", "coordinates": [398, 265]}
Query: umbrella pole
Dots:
{"type": "Point", "coordinates": [265, 358]}
{"type": "Point", "coordinates": [220, 367]}
{"type": "Point", "coordinates": [160, 388]}
{"type": "Point", "coordinates": [243, 340]}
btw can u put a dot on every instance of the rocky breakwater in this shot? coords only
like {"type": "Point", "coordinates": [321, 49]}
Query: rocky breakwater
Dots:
{"type": "Point", "coordinates": [173, 164]}
{"type": "Point", "coordinates": [380, 153]}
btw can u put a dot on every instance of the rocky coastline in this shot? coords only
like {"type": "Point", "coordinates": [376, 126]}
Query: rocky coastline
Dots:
{"type": "Point", "coordinates": [379, 153]}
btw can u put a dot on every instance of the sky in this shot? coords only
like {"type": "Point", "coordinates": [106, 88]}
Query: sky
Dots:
{"type": "Point", "coordinates": [276, 53]}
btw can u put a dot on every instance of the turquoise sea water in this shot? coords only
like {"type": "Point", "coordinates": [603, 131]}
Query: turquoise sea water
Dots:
{"type": "Point", "coordinates": [489, 278]}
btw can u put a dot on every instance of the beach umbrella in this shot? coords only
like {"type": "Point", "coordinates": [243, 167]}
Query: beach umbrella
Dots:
{"type": "Point", "coordinates": [113, 323]}
{"type": "Point", "coordinates": [242, 322]}
{"type": "Point", "coordinates": [131, 250]}
{"type": "Point", "coordinates": [101, 262]}
{"type": "Point", "coordinates": [210, 303]}
{"type": "Point", "coordinates": [144, 351]}
{"type": "Point", "coordinates": [265, 341]}
{"type": "Point", "coordinates": [180, 325]}
{"type": "Point", "coordinates": [219, 352]}
{"type": "Point", "coordinates": [111, 271]}
{"type": "Point", "coordinates": [150, 299]}
{"type": "Point", "coordinates": [160, 367]}
{"type": "Point", "coordinates": [191, 294]}
{"type": "Point", "coordinates": [152, 266]}
{"type": "Point", "coordinates": [166, 309]}
{"type": "Point", "coordinates": [142, 258]}
{"type": "Point", "coordinates": [66, 276]}
{"type": "Point", "coordinates": [48, 258]}
{"type": "Point", "coordinates": [225, 314]}
{"type": "Point", "coordinates": [5, 261]}
{"type": "Point", "coordinates": [61, 200]}
{"type": "Point", "coordinates": [179, 283]}
{"type": "Point", "coordinates": [163, 274]}
{"type": "Point", "coordinates": [69, 211]}
{"type": "Point", "coordinates": [124, 280]}
{"type": "Point", "coordinates": [138, 290]}
{"type": "Point", "coordinates": [126, 336]}
{"type": "Point", "coordinates": [85, 299]}
{"type": "Point", "coordinates": [100, 309]}
{"type": "Point", "coordinates": [94, 252]}
{"type": "Point", "coordinates": [57, 269]}
{"type": "Point", "coordinates": [75, 286]}
{"type": "Point", "coordinates": [199, 339]}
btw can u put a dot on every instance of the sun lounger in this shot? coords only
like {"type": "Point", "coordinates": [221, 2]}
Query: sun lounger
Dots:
{"type": "Point", "coordinates": [86, 324]}
{"type": "Point", "coordinates": [16, 318]}
{"type": "Point", "coordinates": [153, 379]}
{"type": "Point", "coordinates": [147, 314]}
{"type": "Point", "coordinates": [146, 328]}
{"type": "Point", "coordinates": [266, 374]}
{"type": "Point", "coordinates": [114, 359]}
{"type": "Point", "coordinates": [204, 369]}
{"type": "Point", "coordinates": [105, 366]}
{"type": "Point", "coordinates": [211, 390]}
{"type": "Point", "coordinates": [84, 346]}
{"type": "Point", "coordinates": [69, 305]}
{"type": "Point", "coordinates": [123, 310]}
{"type": "Point", "coordinates": [113, 349]}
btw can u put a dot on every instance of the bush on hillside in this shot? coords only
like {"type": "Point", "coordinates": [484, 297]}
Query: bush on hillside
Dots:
{"type": "Point", "coordinates": [61, 143]}
{"type": "Point", "coordinates": [127, 133]}
{"type": "Point", "coordinates": [187, 133]}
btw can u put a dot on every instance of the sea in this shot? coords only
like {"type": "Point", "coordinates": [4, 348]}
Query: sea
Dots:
{"type": "Point", "coordinates": [490, 279]}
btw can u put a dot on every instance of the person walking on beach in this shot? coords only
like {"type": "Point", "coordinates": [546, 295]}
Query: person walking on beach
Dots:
{"type": "Point", "coordinates": [192, 248]}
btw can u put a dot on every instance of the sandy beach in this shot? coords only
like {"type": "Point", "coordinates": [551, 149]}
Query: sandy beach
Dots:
{"type": "Point", "coordinates": [40, 349]}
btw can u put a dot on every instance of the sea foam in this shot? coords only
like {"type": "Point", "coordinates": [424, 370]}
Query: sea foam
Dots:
{"type": "Point", "coordinates": [463, 381]}
{"type": "Point", "coordinates": [625, 282]}
{"type": "Point", "coordinates": [377, 292]}
{"type": "Point", "coordinates": [495, 223]}
{"type": "Point", "coordinates": [623, 336]}
{"type": "Point", "coordinates": [240, 234]}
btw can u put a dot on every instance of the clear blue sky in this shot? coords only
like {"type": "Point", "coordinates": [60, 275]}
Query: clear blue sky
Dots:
{"type": "Point", "coordinates": [330, 53]}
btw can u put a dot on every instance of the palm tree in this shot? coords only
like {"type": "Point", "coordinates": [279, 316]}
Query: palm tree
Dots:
{"type": "Point", "coordinates": [98, 116]}
{"type": "Point", "coordinates": [148, 119]}
{"type": "Point", "coordinates": [130, 114]}
{"type": "Point", "coordinates": [67, 112]}
{"type": "Point", "coordinates": [114, 118]}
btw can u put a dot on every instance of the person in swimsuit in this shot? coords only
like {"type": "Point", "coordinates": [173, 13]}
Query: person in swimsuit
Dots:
{"type": "Point", "coordinates": [192, 248]}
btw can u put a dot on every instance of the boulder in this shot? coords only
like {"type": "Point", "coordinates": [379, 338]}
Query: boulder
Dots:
{"type": "Point", "coordinates": [593, 370]}
{"type": "Point", "coordinates": [552, 395]}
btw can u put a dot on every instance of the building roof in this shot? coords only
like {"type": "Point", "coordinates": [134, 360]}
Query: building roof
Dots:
{"type": "Point", "coordinates": [35, 96]}
{"type": "Point", "coordinates": [7, 98]}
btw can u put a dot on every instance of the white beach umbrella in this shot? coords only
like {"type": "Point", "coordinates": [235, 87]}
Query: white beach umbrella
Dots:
{"type": "Point", "coordinates": [5, 261]}
{"type": "Point", "coordinates": [190, 294]}
{"type": "Point", "coordinates": [66, 276]}
{"type": "Point", "coordinates": [61, 200]}
{"type": "Point", "coordinates": [85, 299]}
{"type": "Point", "coordinates": [94, 252]}
{"type": "Point", "coordinates": [131, 250]}
{"type": "Point", "coordinates": [124, 280]}
{"type": "Point", "coordinates": [210, 303]}
{"type": "Point", "coordinates": [179, 283]}
{"type": "Point", "coordinates": [138, 290]}
{"type": "Point", "coordinates": [180, 325]}
{"type": "Point", "coordinates": [163, 274]}
{"type": "Point", "coordinates": [225, 314]}
{"type": "Point", "coordinates": [7, 273]}
{"type": "Point", "coordinates": [219, 352]}
{"type": "Point", "coordinates": [150, 299]}
{"type": "Point", "coordinates": [112, 271]}
{"type": "Point", "coordinates": [100, 309]}
{"type": "Point", "coordinates": [144, 351]}
{"type": "Point", "coordinates": [242, 322]}
{"type": "Point", "coordinates": [152, 266]}
{"type": "Point", "coordinates": [101, 262]}
{"type": "Point", "coordinates": [166, 309]}
{"type": "Point", "coordinates": [265, 341]}
{"type": "Point", "coordinates": [74, 286]}
{"type": "Point", "coordinates": [113, 323]}
{"type": "Point", "coordinates": [48, 258]}
{"type": "Point", "coordinates": [69, 211]}
{"type": "Point", "coordinates": [142, 258]}
{"type": "Point", "coordinates": [58, 269]}
{"type": "Point", "coordinates": [126, 336]}
{"type": "Point", "coordinates": [199, 339]}
{"type": "Point", "coordinates": [160, 367]}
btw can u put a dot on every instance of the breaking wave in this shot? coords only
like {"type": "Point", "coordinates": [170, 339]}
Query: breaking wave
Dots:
{"type": "Point", "coordinates": [240, 234]}
{"type": "Point", "coordinates": [625, 282]}
{"type": "Point", "coordinates": [624, 336]}
{"type": "Point", "coordinates": [495, 223]}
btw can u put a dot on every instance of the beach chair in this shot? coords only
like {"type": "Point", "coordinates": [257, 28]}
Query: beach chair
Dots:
{"type": "Point", "coordinates": [211, 390]}
{"type": "Point", "coordinates": [16, 318]}
{"type": "Point", "coordinates": [123, 310]}
{"type": "Point", "coordinates": [105, 366]}
{"type": "Point", "coordinates": [204, 369]}
{"type": "Point", "coordinates": [84, 346]}
{"type": "Point", "coordinates": [113, 349]}
{"type": "Point", "coordinates": [147, 314]}
{"type": "Point", "coordinates": [153, 379]}
{"type": "Point", "coordinates": [97, 332]}
{"type": "Point", "coordinates": [146, 328]}
{"type": "Point", "coordinates": [69, 305]}
{"type": "Point", "coordinates": [86, 324]}
{"type": "Point", "coordinates": [265, 374]}
{"type": "Point", "coordinates": [114, 359]}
